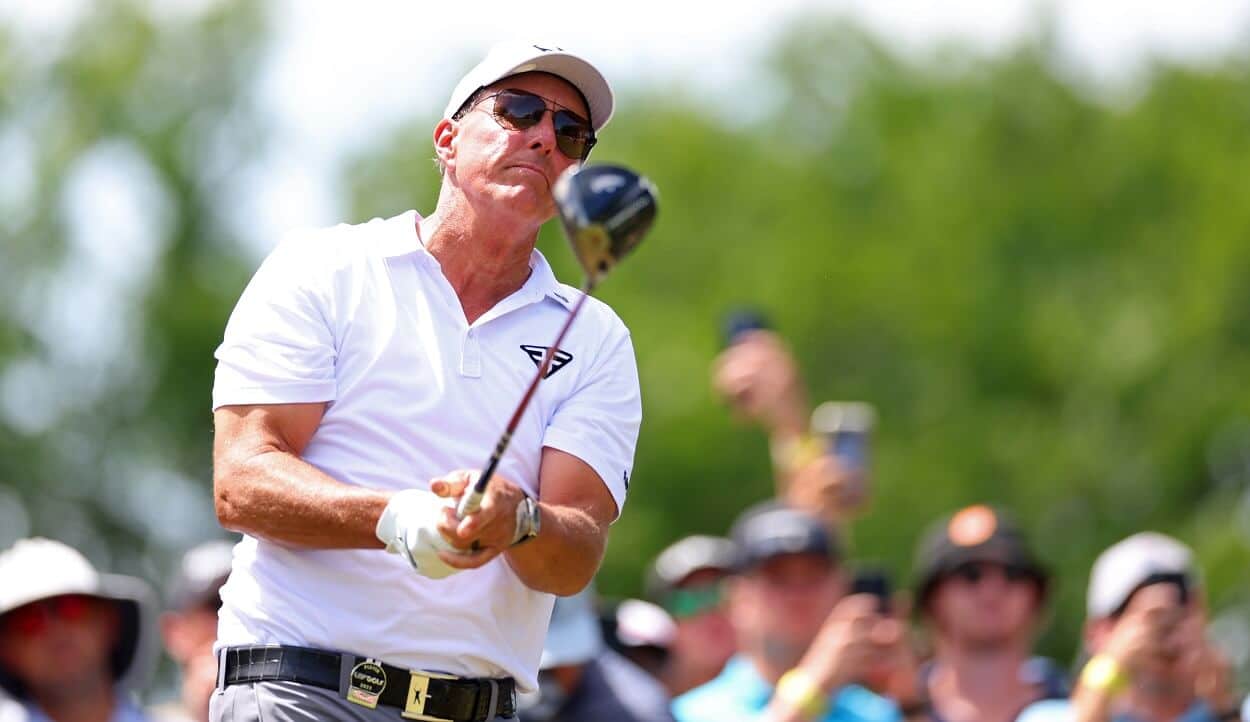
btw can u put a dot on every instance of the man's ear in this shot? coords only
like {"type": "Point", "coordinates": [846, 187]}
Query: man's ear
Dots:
{"type": "Point", "coordinates": [444, 145]}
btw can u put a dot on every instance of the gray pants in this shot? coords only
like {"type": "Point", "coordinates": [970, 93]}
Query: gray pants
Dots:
{"type": "Point", "coordinates": [291, 702]}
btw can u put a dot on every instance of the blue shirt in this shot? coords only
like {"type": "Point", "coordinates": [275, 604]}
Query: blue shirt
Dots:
{"type": "Point", "coordinates": [739, 694]}
{"type": "Point", "coordinates": [1060, 710]}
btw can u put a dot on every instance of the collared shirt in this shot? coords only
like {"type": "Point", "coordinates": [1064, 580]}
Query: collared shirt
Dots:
{"type": "Point", "coordinates": [1061, 710]}
{"type": "Point", "coordinates": [739, 693]}
{"type": "Point", "coordinates": [363, 318]}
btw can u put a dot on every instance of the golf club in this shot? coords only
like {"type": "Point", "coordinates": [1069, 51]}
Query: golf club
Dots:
{"type": "Point", "coordinates": [605, 210]}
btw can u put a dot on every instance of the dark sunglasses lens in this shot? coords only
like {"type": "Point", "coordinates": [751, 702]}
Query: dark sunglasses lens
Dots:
{"type": "Point", "coordinates": [683, 603]}
{"type": "Point", "coordinates": [573, 135]}
{"type": "Point", "coordinates": [970, 573]}
{"type": "Point", "coordinates": [1016, 573]}
{"type": "Point", "coordinates": [519, 110]}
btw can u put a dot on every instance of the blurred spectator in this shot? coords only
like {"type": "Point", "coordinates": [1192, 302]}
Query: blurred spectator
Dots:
{"type": "Point", "coordinates": [580, 679]}
{"type": "Point", "coordinates": [759, 377]}
{"type": "Point", "coordinates": [803, 644]}
{"type": "Point", "coordinates": [73, 642]}
{"type": "Point", "coordinates": [189, 628]}
{"type": "Point", "coordinates": [1146, 631]}
{"type": "Point", "coordinates": [981, 593]}
{"type": "Point", "coordinates": [687, 580]}
{"type": "Point", "coordinates": [641, 632]}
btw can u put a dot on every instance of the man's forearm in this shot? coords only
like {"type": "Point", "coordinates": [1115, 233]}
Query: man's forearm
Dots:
{"type": "Point", "coordinates": [278, 496]}
{"type": "Point", "coordinates": [566, 554]}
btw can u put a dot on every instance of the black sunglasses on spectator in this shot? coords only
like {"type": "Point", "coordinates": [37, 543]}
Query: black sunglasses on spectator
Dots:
{"type": "Point", "coordinates": [974, 572]}
{"type": "Point", "coordinates": [519, 109]}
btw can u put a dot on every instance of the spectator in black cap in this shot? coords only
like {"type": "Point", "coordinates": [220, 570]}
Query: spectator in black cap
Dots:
{"type": "Point", "coordinates": [803, 644]}
{"type": "Point", "coordinates": [981, 592]}
{"type": "Point", "coordinates": [1151, 661]}
{"type": "Point", "coordinates": [74, 643]}
{"type": "Point", "coordinates": [189, 628]}
{"type": "Point", "coordinates": [687, 580]}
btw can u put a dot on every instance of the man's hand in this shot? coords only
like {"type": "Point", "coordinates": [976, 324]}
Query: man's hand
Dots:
{"type": "Point", "coordinates": [409, 527]}
{"type": "Point", "coordinates": [827, 488]}
{"type": "Point", "coordinates": [853, 642]}
{"type": "Point", "coordinates": [487, 532]}
{"type": "Point", "coordinates": [761, 380]}
{"type": "Point", "coordinates": [1146, 635]}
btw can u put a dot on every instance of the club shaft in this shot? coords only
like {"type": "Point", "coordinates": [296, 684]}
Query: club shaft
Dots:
{"type": "Point", "coordinates": [471, 501]}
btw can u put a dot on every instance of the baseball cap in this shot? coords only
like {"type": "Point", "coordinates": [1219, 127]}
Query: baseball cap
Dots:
{"type": "Point", "coordinates": [643, 624]}
{"type": "Point", "coordinates": [977, 533]}
{"type": "Point", "coordinates": [201, 572]}
{"type": "Point", "coordinates": [1129, 564]}
{"type": "Point", "coordinates": [685, 557]}
{"type": "Point", "coordinates": [514, 58]}
{"type": "Point", "coordinates": [36, 569]}
{"type": "Point", "coordinates": [771, 529]}
{"type": "Point", "coordinates": [574, 635]}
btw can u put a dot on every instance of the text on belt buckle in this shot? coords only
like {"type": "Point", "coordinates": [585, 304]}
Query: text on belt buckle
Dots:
{"type": "Point", "coordinates": [419, 695]}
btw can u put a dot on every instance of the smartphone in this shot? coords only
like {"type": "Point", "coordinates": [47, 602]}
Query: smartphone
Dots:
{"type": "Point", "coordinates": [739, 321]}
{"type": "Point", "coordinates": [874, 581]}
{"type": "Point", "coordinates": [847, 427]}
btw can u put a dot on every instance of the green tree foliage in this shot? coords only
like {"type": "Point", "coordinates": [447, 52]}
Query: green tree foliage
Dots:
{"type": "Point", "coordinates": [1043, 291]}
{"type": "Point", "coordinates": [122, 138]}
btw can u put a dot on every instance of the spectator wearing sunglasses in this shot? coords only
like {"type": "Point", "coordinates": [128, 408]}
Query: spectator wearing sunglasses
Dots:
{"type": "Point", "coordinates": [189, 628]}
{"type": "Point", "coordinates": [74, 643]}
{"type": "Point", "coordinates": [981, 594]}
{"type": "Point", "coordinates": [687, 580]}
{"type": "Point", "coordinates": [805, 646]}
{"type": "Point", "coordinates": [364, 377]}
{"type": "Point", "coordinates": [1146, 633]}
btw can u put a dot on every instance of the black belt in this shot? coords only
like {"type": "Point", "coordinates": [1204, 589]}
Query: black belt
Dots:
{"type": "Point", "coordinates": [368, 682]}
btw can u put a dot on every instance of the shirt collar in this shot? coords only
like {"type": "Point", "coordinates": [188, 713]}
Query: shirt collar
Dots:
{"type": "Point", "coordinates": [402, 239]}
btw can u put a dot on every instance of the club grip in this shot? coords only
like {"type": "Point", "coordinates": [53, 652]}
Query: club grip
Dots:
{"type": "Point", "coordinates": [472, 499]}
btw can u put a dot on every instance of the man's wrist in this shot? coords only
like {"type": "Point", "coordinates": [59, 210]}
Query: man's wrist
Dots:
{"type": "Point", "coordinates": [791, 452]}
{"type": "Point", "coordinates": [801, 692]}
{"type": "Point", "coordinates": [528, 520]}
{"type": "Point", "coordinates": [1103, 673]}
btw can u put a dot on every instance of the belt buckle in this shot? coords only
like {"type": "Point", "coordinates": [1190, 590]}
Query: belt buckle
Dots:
{"type": "Point", "coordinates": [419, 696]}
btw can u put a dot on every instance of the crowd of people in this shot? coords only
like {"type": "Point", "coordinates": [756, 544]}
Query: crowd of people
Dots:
{"type": "Point", "coordinates": [359, 593]}
{"type": "Point", "coordinates": [771, 622]}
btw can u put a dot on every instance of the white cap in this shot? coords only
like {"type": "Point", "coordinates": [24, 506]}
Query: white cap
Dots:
{"type": "Point", "coordinates": [1122, 568]}
{"type": "Point", "coordinates": [643, 624]}
{"type": "Point", "coordinates": [38, 568]}
{"type": "Point", "coordinates": [513, 58]}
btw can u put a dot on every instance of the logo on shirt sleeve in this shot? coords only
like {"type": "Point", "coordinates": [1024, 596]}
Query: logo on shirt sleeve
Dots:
{"type": "Point", "coordinates": [558, 361]}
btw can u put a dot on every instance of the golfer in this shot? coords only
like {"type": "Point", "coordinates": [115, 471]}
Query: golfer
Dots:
{"type": "Point", "coordinates": [365, 372]}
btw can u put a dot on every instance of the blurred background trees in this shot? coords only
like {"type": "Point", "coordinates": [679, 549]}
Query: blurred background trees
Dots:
{"type": "Point", "coordinates": [1043, 285]}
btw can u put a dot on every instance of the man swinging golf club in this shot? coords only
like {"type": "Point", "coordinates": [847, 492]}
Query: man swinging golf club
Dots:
{"type": "Point", "coordinates": [365, 375]}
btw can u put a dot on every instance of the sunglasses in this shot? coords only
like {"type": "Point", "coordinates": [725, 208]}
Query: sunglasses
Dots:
{"type": "Point", "coordinates": [30, 620]}
{"type": "Point", "coordinates": [693, 601]}
{"type": "Point", "coordinates": [974, 572]}
{"type": "Point", "coordinates": [519, 110]}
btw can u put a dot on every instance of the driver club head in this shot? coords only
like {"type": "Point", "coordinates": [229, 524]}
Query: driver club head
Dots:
{"type": "Point", "coordinates": [606, 210]}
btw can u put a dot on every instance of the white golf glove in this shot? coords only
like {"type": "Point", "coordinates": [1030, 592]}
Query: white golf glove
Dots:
{"type": "Point", "coordinates": [408, 527]}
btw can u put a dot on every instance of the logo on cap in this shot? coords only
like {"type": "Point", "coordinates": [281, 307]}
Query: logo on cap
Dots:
{"type": "Point", "coordinates": [972, 526]}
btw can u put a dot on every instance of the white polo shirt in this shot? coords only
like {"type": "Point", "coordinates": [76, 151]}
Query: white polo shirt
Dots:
{"type": "Point", "coordinates": [363, 318]}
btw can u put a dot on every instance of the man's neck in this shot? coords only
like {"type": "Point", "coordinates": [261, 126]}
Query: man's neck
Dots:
{"type": "Point", "coordinates": [85, 705]}
{"type": "Point", "coordinates": [485, 259]}
{"type": "Point", "coordinates": [1150, 705]}
{"type": "Point", "coordinates": [979, 684]}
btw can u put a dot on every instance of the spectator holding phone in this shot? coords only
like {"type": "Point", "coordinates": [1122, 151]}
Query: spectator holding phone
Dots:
{"type": "Point", "coordinates": [805, 646]}
{"type": "Point", "coordinates": [1151, 661]}
{"type": "Point", "coordinates": [759, 377]}
{"type": "Point", "coordinates": [981, 594]}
